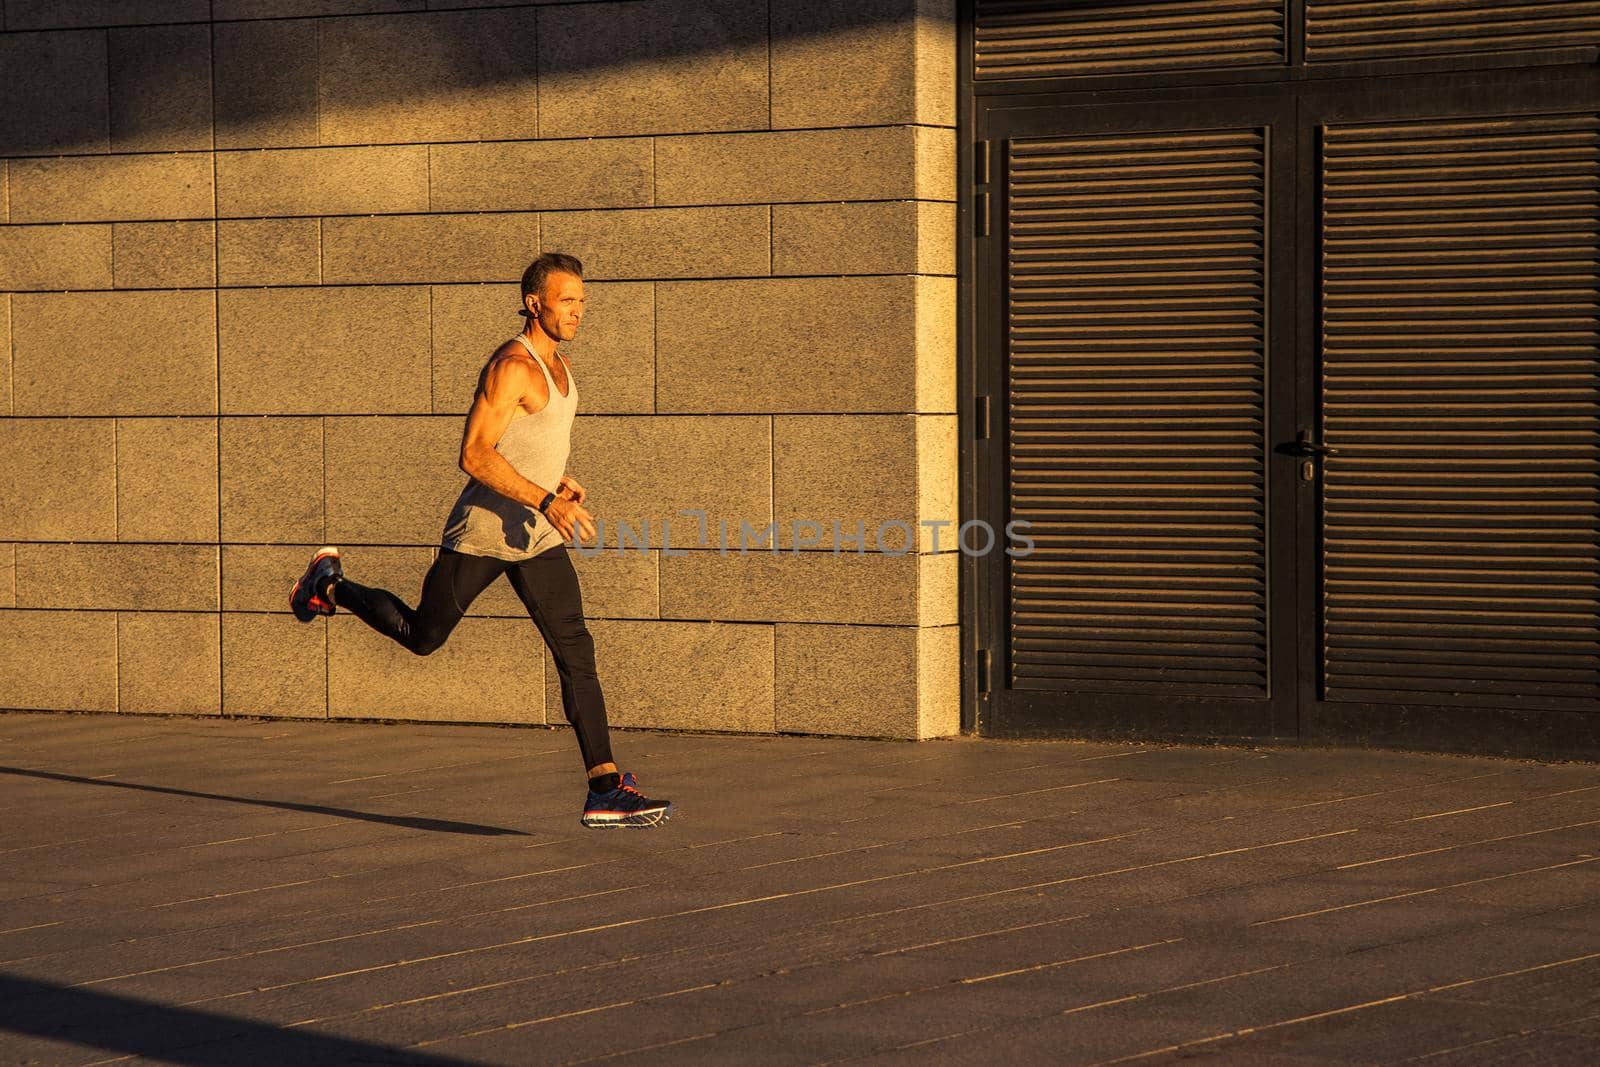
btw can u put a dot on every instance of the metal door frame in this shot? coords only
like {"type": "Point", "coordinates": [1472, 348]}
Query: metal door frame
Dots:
{"type": "Point", "coordinates": [1431, 88]}
{"type": "Point", "coordinates": [1104, 714]}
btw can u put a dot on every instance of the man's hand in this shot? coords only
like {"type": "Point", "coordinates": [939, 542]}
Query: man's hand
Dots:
{"type": "Point", "coordinates": [566, 514]}
{"type": "Point", "coordinates": [569, 487]}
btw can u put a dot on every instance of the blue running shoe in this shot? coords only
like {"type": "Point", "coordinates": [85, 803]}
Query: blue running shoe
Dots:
{"type": "Point", "coordinates": [304, 600]}
{"type": "Point", "coordinates": [624, 806]}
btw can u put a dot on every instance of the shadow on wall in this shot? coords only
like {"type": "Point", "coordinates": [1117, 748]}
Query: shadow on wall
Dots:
{"type": "Point", "coordinates": [260, 77]}
{"type": "Point", "coordinates": [82, 1018]}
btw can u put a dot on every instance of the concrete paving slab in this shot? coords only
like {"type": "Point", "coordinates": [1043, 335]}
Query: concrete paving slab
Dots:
{"type": "Point", "coordinates": [236, 891]}
{"type": "Point", "coordinates": [1544, 1048]}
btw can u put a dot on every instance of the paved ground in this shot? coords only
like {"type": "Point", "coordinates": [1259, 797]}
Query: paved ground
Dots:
{"type": "Point", "coordinates": [231, 892]}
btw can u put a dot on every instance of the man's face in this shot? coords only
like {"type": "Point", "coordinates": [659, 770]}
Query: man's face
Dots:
{"type": "Point", "coordinates": [559, 308]}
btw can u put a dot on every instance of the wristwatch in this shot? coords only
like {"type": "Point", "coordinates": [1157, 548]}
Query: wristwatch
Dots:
{"type": "Point", "coordinates": [546, 501]}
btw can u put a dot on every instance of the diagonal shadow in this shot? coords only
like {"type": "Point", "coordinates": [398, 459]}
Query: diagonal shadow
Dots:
{"type": "Point", "coordinates": [443, 826]}
{"type": "Point", "coordinates": [179, 1035]}
{"type": "Point", "coordinates": [54, 99]}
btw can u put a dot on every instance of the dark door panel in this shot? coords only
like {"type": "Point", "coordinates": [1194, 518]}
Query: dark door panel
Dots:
{"type": "Point", "coordinates": [1135, 254]}
{"type": "Point", "coordinates": [1458, 353]}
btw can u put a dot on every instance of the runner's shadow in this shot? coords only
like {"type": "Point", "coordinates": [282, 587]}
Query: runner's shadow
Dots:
{"type": "Point", "coordinates": [443, 826]}
{"type": "Point", "coordinates": [135, 1027]}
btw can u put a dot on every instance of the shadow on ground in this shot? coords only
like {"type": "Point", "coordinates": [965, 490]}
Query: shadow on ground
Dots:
{"type": "Point", "coordinates": [441, 826]}
{"type": "Point", "coordinates": [139, 1027]}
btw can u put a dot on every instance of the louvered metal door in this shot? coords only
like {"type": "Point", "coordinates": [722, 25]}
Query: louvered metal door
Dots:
{"type": "Point", "coordinates": [1192, 574]}
{"type": "Point", "coordinates": [1461, 387]}
{"type": "Point", "coordinates": [1288, 316]}
{"type": "Point", "coordinates": [1137, 259]}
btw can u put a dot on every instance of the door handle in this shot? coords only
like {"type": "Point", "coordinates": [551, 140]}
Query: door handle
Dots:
{"type": "Point", "coordinates": [1304, 447]}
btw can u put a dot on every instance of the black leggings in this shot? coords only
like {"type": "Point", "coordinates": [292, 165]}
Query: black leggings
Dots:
{"type": "Point", "coordinates": [547, 586]}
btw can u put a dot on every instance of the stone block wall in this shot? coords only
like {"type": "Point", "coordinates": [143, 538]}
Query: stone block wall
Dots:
{"type": "Point", "coordinates": [254, 252]}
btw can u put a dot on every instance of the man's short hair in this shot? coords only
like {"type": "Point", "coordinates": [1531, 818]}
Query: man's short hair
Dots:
{"type": "Point", "coordinates": [539, 270]}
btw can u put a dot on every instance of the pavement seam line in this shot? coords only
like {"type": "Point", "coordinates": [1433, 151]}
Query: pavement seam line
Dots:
{"type": "Point", "coordinates": [1423, 892]}
{"type": "Point", "coordinates": [1246, 1031]}
{"type": "Point", "coordinates": [1466, 844]}
{"type": "Point", "coordinates": [1113, 1002]}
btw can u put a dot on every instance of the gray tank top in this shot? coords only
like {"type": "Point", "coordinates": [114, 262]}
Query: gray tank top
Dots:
{"type": "Point", "coordinates": [484, 523]}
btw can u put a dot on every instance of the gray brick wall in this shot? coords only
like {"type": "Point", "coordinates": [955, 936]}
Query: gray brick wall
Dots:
{"type": "Point", "coordinates": [254, 252]}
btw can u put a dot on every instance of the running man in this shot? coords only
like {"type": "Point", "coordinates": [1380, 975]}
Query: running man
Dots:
{"type": "Point", "coordinates": [507, 521]}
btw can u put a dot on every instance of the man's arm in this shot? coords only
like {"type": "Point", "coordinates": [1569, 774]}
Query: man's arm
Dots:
{"type": "Point", "coordinates": [505, 382]}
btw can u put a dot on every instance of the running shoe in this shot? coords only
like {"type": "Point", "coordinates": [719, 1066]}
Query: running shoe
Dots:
{"type": "Point", "coordinates": [624, 806]}
{"type": "Point", "coordinates": [303, 598]}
